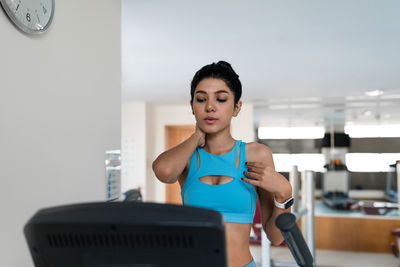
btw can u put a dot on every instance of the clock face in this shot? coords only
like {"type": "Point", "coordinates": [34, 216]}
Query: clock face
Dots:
{"type": "Point", "coordinates": [30, 16]}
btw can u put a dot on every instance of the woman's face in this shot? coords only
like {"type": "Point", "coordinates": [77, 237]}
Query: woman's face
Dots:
{"type": "Point", "coordinates": [214, 105]}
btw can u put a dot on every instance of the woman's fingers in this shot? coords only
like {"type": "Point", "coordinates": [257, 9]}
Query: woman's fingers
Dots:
{"type": "Point", "coordinates": [250, 181]}
{"type": "Point", "coordinates": [255, 169]}
{"type": "Point", "coordinates": [254, 164]}
{"type": "Point", "coordinates": [252, 175]}
{"type": "Point", "coordinates": [201, 135]}
{"type": "Point", "coordinates": [260, 167]}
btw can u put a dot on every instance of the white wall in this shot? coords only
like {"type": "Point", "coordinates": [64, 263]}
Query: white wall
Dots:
{"type": "Point", "coordinates": [133, 146]}
{"type": "Point", "coordinates": [151, 181]}
{"type": "Point", "coordinates": [243, 124]}
{"type": "Point", "coordinates": [162, 115]}
{"type": "Point", "coordinates": [59, 111]}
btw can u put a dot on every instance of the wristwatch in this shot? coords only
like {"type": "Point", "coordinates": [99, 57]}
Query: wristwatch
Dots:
{"type": "Point", "coordinates": [285, 205]}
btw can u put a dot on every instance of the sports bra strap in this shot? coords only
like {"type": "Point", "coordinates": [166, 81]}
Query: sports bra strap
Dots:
{"type": "Point", "coordinates": [242, 153]}
{"type": "Point", "coordinates": [193, 163]}
{"type": "Point", "coordinates": [235, 150]}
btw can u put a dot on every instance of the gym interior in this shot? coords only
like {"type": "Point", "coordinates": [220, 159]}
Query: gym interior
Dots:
{"type": "Point", "coordinates": [106, 88]}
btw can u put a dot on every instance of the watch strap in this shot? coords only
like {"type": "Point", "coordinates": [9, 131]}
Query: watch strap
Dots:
{"type": "Point", "coordinates": [285, 205]}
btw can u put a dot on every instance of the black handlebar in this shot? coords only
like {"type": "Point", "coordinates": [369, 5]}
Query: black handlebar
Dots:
{"type": "Point", "coordinates": [286, 222]}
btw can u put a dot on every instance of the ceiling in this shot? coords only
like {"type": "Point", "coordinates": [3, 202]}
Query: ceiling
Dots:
{"type": "Point", "coordinates": [300, 62]}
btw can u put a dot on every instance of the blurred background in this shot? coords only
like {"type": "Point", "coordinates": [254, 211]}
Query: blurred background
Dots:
{"type": "Point", "coordinates": [307, 68]}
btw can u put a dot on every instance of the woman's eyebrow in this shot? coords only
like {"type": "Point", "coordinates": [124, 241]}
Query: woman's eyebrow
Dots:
{"type": "Point", "coordinates": [217, 92]}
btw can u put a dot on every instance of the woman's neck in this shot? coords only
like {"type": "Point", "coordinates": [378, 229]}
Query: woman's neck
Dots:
{"type": "Point", "coordinates": [219, 143]}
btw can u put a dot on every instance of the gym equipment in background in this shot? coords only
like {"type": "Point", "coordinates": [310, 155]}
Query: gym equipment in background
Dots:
{"type": "Point", "coordinates": [391, 193]}
{"type": "Point", "coordinates": [336, 181]}
{"type": "Point", "coordinates": [133, 195]}
{"type": "Point", "coordinates": [395, 249]}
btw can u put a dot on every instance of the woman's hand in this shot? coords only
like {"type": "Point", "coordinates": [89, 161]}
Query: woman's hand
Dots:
{"type": "Point", "coordinates": [201, 135]}
{"type": "Point", "coordinates": [267, 178]}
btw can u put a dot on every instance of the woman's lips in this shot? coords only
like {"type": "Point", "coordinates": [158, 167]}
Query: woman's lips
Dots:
{"type": "Point", "coordinates": [211, 120]}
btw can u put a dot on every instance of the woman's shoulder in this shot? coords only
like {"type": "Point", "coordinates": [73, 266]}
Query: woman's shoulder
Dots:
{"type": "Point", "coordinates": [258, 151]}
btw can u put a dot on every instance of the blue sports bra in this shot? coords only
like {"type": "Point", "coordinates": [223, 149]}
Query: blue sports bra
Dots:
{"type": "Point", "coordinates": [235, 200]}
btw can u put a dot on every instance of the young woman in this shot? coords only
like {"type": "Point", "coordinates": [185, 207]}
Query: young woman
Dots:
{"type": "Point", "coordinates": [218, 172]}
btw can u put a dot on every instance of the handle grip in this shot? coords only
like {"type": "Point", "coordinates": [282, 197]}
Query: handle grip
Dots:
{"type": "Point", "coordinates": [286, 222]}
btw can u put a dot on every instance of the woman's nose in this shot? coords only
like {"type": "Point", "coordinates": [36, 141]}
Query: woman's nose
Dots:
{"type": "Point", "coordinates": [210, 107]}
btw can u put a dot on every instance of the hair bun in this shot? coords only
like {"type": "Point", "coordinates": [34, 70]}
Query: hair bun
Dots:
{"type": "Point", "coordinates": [228, 66]}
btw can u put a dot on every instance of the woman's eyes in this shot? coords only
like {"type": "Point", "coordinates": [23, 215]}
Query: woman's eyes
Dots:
{"type": "Point", "coordinates": [203, 100]}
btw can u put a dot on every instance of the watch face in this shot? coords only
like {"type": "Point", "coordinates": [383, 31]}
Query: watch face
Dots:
{"type": "Point", "coordinates": [30, 16]}
{"type": "Point", "coordinates": [289, 203]}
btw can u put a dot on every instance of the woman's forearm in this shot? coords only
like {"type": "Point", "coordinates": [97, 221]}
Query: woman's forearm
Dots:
{"type": "Point", "coordinates": [171, 163]}
{"type": "Point", "coordinates": [272, 231]}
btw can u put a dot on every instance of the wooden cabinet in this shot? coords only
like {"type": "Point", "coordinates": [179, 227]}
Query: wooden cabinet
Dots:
{"type": "Point", "coordinates": [367, 233]}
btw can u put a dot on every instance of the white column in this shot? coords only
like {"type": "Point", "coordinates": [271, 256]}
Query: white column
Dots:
{"type": "Point", "coordinates": [398, 181]}
{"type": "Point", "coordinates": [265, 250]}
{"type": "Point", "coordinates": [294, 181]}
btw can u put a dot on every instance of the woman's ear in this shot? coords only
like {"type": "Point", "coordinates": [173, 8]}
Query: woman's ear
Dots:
{"type": "Point", "coordinates": [191, 105]}
{"type": "Point", "coordinates": [237, 108]}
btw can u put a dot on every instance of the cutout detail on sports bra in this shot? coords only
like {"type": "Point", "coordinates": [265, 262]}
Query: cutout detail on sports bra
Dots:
{"type": "Point", "coordinates": [215, 179]}
{"type": "Point", "coordinates": [238, 158]}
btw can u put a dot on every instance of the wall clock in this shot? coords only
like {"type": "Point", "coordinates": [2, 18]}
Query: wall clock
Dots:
{"type": "Point", "coordinates": [30, 16]}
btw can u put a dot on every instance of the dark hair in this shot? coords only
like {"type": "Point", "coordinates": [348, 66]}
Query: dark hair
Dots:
{"type": "Point", "coordinates": [221, 70]}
